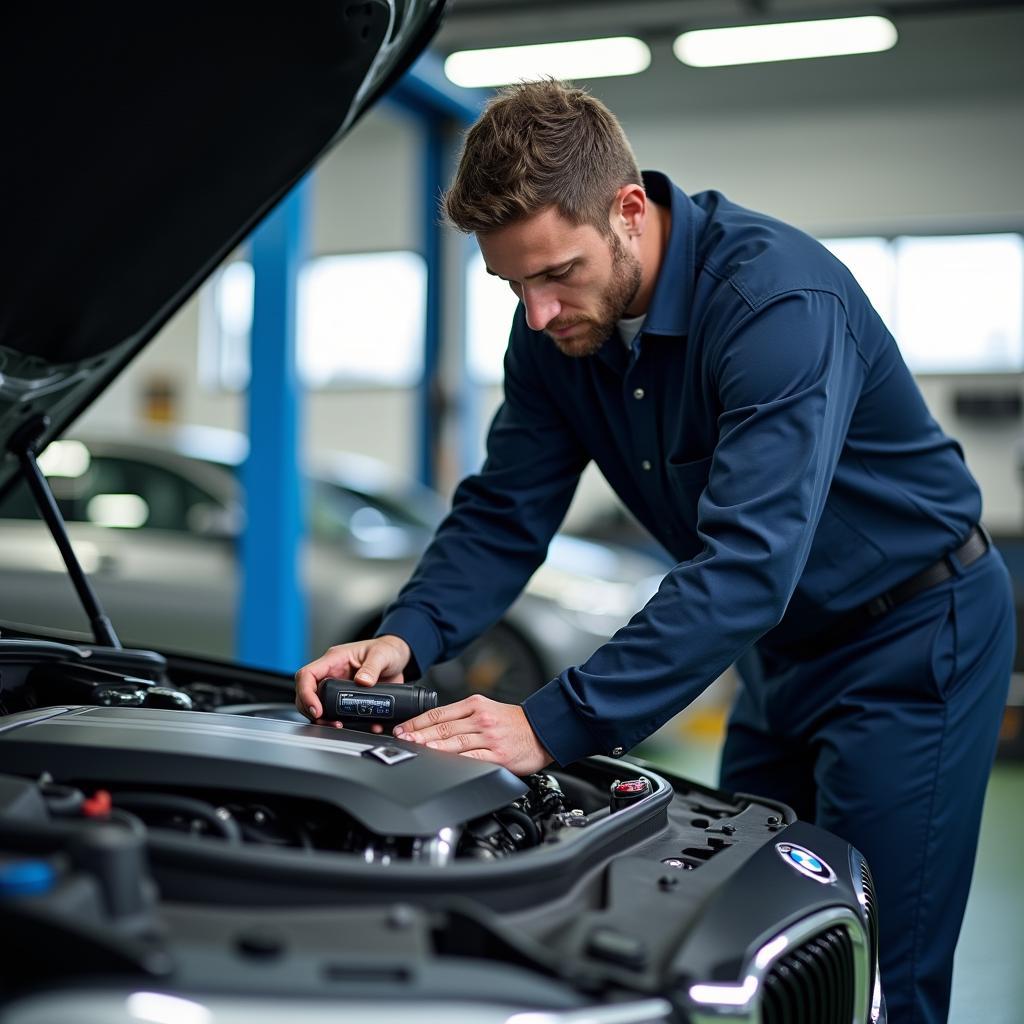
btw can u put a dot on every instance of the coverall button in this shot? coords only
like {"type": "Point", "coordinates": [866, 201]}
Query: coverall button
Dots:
{"type": "Point", "coordinates": [646, 464]}
{"type": "Point", "coordinates": [639, 393]}
{"type": "Point", "coordinates": [617, 751]}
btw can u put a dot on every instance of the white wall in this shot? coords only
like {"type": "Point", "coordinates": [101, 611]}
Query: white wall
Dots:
{"type": "Point", "coordinates": [903, 166]}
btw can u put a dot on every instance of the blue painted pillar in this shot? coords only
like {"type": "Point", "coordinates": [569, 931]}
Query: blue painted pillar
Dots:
{"type": "Point", "coordinates": [431, 397]}
{"type": "Point", "coordinates": [436, 104]}
{"type": "Point", "coordinates": [469, 434]}
{"type": "Point", "coordinates": [272, 616]}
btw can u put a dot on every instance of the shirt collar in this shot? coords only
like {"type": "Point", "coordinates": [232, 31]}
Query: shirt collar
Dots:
{"type": "Point", "coordinates": [672, 301]}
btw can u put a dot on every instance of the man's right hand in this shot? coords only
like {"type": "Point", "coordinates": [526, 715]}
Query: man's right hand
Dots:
{"type": "Point", "coordinates": [381, 660]}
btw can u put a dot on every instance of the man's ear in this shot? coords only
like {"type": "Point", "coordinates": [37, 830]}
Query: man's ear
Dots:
{"type": "Point", "coordinates": [629, 209]}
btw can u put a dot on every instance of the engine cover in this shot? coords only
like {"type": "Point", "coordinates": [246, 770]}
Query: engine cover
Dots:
{"type": "Point", "coordinates": [390, 787]}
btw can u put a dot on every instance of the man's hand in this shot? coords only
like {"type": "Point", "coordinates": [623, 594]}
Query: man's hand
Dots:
{"type": "Point", "coordinates": [482, 728]}
{"type": "Point", "coordinates": [366, 661]}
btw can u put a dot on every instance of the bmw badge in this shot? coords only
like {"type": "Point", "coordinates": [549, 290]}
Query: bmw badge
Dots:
{"type": "Point", "coordinates": [806, 863]}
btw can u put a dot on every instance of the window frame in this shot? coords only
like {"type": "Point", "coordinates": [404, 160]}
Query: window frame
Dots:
{"type": "Point", "coordinates": [211, 361]}
{"type": "Point", "coordinates": [937, 230]}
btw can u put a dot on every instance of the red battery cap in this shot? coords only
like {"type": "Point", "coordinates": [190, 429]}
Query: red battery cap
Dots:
{"type": "Point", "coordinates": [97, 805]}
{"type": "Point", "coordinates": [626, 792]}
{"type": "Point", "coordinates": [631, 786]}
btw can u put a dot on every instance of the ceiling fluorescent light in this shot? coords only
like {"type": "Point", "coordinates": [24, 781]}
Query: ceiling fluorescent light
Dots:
{"type": "Point", "coordinates": [583, 58]}
{"type": "Point", "coordinates": [796, 40]}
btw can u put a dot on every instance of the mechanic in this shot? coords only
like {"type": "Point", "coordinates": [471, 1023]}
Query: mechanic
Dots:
{"type": "Point", "coordinates": [747, 404]}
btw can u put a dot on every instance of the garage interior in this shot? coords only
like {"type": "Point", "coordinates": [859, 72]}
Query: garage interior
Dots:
{"type": "Point", "coordinates": [897, 159]}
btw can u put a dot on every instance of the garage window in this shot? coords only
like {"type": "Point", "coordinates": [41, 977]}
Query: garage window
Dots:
{"type": "Point", "coordinates": [490, 306]}
{"type": "Point", "coordinates": [954, 303]}
{"type": "Point", "coordinates": [360, 322]}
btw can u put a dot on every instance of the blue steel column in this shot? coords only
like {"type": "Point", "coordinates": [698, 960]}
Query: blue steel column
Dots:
{"type": "Point", "coordinates": [272, 614]}
{"type": "Point", "coordinates": [431, 397]}
{"type": "Point", "coordinates": [469, 438]}
{"type": "Point", "coordinates": [436, 104]}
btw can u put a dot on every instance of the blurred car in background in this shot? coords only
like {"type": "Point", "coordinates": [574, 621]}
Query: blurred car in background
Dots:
{"type": "Point", "coordinates": [155, 522]}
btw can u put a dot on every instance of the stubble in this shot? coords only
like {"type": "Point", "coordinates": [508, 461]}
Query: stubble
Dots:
{"type": "Point", "coordinates": [595, 330]}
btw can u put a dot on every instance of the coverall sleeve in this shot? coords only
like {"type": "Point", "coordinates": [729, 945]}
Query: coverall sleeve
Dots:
{"type": "Point", "coordinates": [786, 378]}
{"type": "Point", "coordinates": [501, 522]}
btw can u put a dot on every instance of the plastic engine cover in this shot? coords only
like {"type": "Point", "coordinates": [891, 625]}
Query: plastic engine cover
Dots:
{"type": "Point", "coordinates": [390, 787]}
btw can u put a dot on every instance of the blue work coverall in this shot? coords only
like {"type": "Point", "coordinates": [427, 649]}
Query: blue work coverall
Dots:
{"type": "Point", "coordinates": [765, 429]}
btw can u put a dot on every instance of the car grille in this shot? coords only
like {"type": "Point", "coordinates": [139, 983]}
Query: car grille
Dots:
{"type": "Point", "coordinates": [867, 884]}
{"type": "Point", "coordinates": [813, 983]}
{"type": "Point", "coordinates": [869, 901]}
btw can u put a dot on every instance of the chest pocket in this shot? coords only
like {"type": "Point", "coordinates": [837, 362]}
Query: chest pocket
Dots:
{"type": "Point", "coordinates": [686, 481]}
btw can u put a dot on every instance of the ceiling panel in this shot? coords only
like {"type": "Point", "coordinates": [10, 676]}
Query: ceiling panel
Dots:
{"type": "Point", "coordinates": [960, 50]}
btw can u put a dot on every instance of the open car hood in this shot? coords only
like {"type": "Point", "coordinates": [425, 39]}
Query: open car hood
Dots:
{"type": "Point", "coordinates": [144, 144]}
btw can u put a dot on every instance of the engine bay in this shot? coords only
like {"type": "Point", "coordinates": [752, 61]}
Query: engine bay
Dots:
{"type": "Point", "coordinates": [241, 782]}
{"type": "Point", "coordinates": [176, 820]}
{"type": "Point", "coordinates": [250, 773]}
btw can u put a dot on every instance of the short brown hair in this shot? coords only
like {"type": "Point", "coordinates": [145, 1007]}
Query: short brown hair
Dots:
{"type": "Point", "coordinates": [540, 144]}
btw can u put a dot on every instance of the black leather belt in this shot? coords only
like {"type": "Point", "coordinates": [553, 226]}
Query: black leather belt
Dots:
{"type": "Point", "coordinates": [859, 619]}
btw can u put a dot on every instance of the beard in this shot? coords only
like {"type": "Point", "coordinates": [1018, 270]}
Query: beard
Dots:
{"type": "Point", "coordinates": [593, 331]}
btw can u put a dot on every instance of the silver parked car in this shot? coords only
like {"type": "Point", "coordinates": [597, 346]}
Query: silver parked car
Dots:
{"type": "Point", "coordinates": [154, 521]}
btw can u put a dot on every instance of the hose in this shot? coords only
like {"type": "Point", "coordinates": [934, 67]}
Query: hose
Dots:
{"type": "Point", "coordinates": [227, 828]}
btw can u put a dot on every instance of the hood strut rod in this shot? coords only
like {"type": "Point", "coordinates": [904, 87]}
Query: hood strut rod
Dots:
{"type": "Point", "coordinates": [23, 444]}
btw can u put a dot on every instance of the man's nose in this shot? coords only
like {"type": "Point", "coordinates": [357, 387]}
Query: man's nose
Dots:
{"type": "Point", "coordinates": [541, 309]}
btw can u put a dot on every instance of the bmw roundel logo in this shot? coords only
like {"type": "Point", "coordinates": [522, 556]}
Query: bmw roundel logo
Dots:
{"type": "Point", "coordinates": [806, 863]}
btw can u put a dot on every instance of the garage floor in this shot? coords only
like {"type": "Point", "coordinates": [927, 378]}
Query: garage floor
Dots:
{"type": "Point", "coordinates": [988, 979]}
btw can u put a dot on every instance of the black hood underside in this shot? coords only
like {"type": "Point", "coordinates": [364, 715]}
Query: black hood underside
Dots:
{"type": "Point", "coordinates": [143, 143]}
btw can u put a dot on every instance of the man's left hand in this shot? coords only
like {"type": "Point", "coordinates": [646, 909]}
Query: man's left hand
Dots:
{"type": "Point", "coordinates": [482, 728]}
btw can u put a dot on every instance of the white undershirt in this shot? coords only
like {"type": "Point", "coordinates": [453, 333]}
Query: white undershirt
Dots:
{"type": "Point", "coordinates": [630, 327]}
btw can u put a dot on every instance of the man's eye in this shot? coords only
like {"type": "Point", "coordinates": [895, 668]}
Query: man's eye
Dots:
{"type": "Point", "coordinates": [563, 275]}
